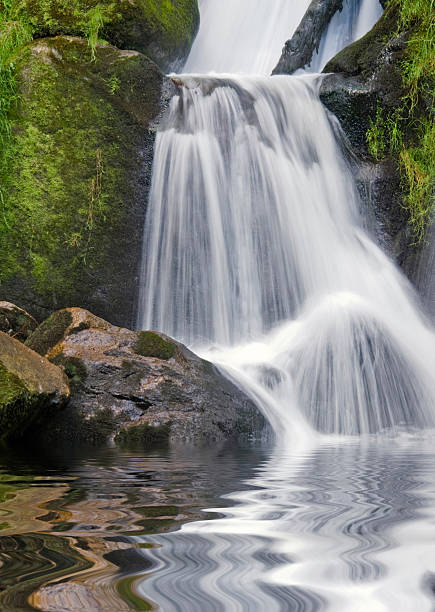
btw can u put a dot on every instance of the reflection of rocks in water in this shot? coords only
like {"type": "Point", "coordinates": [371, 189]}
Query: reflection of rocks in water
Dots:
{"type": "Point", "coordinates": [30, 560]}
{"type": "Point", "coordinates": [67, 518]}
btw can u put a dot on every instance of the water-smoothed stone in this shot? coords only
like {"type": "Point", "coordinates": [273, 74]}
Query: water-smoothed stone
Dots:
{"type": "Point", "coordinates": [299, 50]}
{"type": "Point", "coordinates": [77, 182]}
{"type": "Point", "coordinates": [15, 321]}
{"type": "Point", "coordinates": [31, 388]}
{"type": "Point", "coordinates": [161, 29]}
{"type": "Point", "coordinates": [139, 386]}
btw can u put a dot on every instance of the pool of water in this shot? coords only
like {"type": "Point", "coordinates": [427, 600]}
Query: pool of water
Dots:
{"type": "Point", "coordinates": [339, 525]}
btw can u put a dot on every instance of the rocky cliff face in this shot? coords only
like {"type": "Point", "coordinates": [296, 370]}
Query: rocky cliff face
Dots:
{"type": "Point", "coordinates": [78, 142]}
{"type": "Point", "coordinates": [365, 88]}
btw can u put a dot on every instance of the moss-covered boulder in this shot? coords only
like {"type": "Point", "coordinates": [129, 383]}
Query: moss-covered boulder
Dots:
{"type": "Point", "coordinates": [161, 29]}
{"type": "Point", "coordinates": [30, 388]}
{"type": "Point", "coordinates": [138, 386]}
{"type": "Point", "coordinates": [381, 90]}
{"type": "Point", "coordinates": [16, 322]}
{"type": "Point", "coordinates": [76, 181]}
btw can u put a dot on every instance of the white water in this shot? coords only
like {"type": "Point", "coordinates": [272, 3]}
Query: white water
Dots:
{"type": "Point", "coordinates": [254, 255]}
{"type": "Point", "coordinates": [243, 36]}
{"type": "Point", "coordinates": [347, 26]}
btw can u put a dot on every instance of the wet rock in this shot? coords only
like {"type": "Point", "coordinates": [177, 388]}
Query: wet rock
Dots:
{"type": "Point", "coordinates": [31, 388]}
{"type": "Point", "coordinates": [16, 322]}
{"type": "Point", "coordinates": [139, 386]}
{"type": "Point", "coordinates": [299, 50]}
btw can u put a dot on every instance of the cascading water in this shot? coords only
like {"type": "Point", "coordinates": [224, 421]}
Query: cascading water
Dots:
{"type": "Point", "coordinates": [345, 27]}
{"type": "Point", "coordinates": [255, 256]}
{"type": "Point", "coordinates": [245, 36]}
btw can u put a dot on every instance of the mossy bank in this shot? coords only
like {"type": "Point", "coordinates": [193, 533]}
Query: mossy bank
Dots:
{"type": "Point", "coordinates": [382, 90]}
{"type": "Point", "coordinates": [77, 135]}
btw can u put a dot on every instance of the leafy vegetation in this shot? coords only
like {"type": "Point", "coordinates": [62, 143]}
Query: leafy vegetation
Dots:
{"type": "Point", "coordinates": [408, 132]}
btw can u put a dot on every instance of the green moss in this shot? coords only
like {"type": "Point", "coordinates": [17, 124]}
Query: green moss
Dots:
{"type": "Point", "coordinates": [50, 332]}
{"type": "Point", "coordinates": [162, 29]}
{"type": "Point", "coordinates": [74, 367]}
{"type": "Point", "coordinates": [69, 184]}
{"type": "Point", "coordinates": [143, 435]}
{"type": "Point", "coordinates": [150, 344]}
{"type": "Point", "coordinates": [98, 427]}
{"type": "Point", "coordinates": [79, 328]}
{"type": "Point", "coordinates": [17, 404]}
{"type": "Point", "coordinates": [125, 590]}
{"type": "Point", "coordinates": [11, 388]}
{"type": "Point", "coordinates": [406, 131]}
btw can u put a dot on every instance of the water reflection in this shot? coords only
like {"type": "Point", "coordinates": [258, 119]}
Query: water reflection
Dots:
{"type": "Point", "coordinates": [338, 526]}
{"type": "Point", "coordinates": [67, 518]}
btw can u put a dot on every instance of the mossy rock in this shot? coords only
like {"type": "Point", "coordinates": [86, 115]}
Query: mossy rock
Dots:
{"type": "Point", "coordinates": [79, 169]}
{"type": "Point", "coordinates": [50, 332]}
{"type": "Point", "coordinates": [74, 368]}
{"type": "Point", "coordinates": [144, 434]}
{"type": "Point", "coordinates": [150, 344]}
{"type": "Point", "coordinates": [16, 322]}
{"type": "Point", "coordinates": [161, 29]}
{"type": "Point", "coordinates": [29, 387]}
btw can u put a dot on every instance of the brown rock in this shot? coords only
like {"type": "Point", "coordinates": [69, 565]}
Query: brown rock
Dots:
{"type": "Point", "coordinates": [16, 322]}
{"type": "Point", "coordinates": [30, 387]}
{"type": "Point", "coordinates": [140, 386]}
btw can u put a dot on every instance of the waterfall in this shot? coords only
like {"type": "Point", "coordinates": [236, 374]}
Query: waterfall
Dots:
{"type": "Point", "coordinates": [255, 256]}
{"type": "Point", "coordinates": [243, 36]}
{"type": "Point", "coordinates": [345, 27]}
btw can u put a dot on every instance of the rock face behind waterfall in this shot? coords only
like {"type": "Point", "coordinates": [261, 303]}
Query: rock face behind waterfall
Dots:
{"type": "Point", "coordinates": [299, 50]}
{"type": "Point", "coordinates": [31, 388]}
{"type": "Point", "coordinates": [139, 386]}
{"type": "Point", "coordinates": [76, 168]}
{"type": "Point", "coordinates": [366, 76]}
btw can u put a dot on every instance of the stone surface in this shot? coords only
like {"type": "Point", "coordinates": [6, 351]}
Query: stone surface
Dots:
{"type": "Point", "coordinates": [15, 321]}
{"type": "Point", "coordinates": [80, 169]}
{"type": "Point", "coordinates": [30, 388]}
{"type": "Point", "coordinates": [139, 386]}
{"type": "Point", "coordinates": [299, 50]}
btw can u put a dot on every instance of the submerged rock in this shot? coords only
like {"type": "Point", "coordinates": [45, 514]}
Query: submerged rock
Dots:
{"type": "Point", "coordinates": [138, 386]}
{"type": "Point", "coordinates": [162, 30]}
{"type": "Point", "coordinates": [31, 388]}
{"type": "Point", "coordinates": [16, 322]}
{"type": "Point", "coordinates": [299, 50]}
{"type": "Point", "coordinates": [78, 177]}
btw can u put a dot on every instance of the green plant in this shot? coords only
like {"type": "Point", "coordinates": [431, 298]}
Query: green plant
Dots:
{"type": "Point", "coordinates": [113, 84]}
{"type": "Point", "coordinates": [376, 140]}
{"type": "Point", "coordinates": [96, 19]}
{"type": "Point", "coordinates": [407, 132]}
